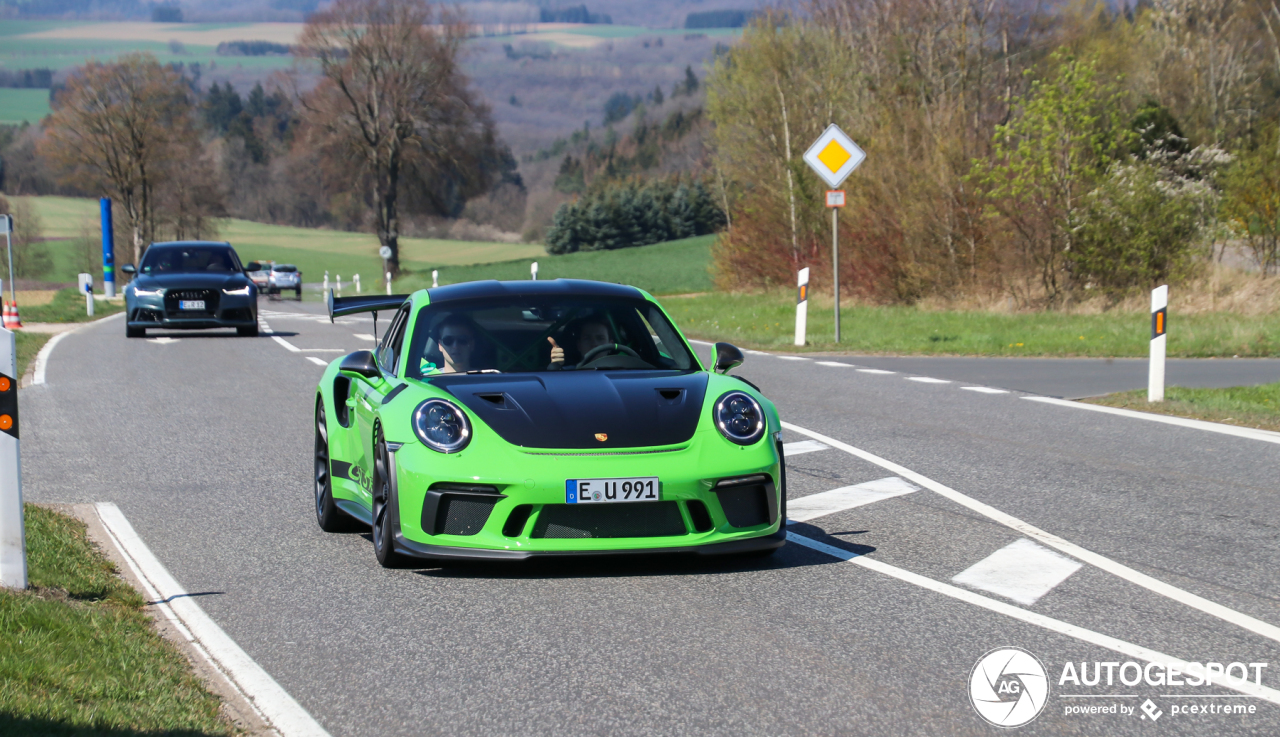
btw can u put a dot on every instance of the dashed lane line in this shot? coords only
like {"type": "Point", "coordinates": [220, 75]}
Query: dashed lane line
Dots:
{"type": "Point", "coordinates": [792, 358]}
{"type": "Point", "coordinates": [364, 336]}
{"type": "Point", "coordinates": [290, 346]}
{"type": "Point", "coordinates": [927, 380]}
{"type": "Point", "coordinates": [881, 372]}
{"type": "Point", "coordinates": [835, 363]}
{"type": "Point", "coordinates": [1187, 598]}
{"type": "Point", "coordinates": [1265, 436]}
{"type": "Point", "coordinates": [317, 361]}
{"type": "Point", "coordinates": [1022, 570]}
{"type": "Point", "coordinates": [813, 506]}
{"type": "Point", "coordinates": [984, 390]}
{"type": "Point", "coordinates": [275, 704]}
{"type": "Point", "coordinates": [1054, 625]}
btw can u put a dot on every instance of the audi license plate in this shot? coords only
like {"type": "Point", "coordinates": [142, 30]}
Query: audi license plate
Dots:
{"type": "Point", "coordinates": [191, 304]}
{"type": "Point", "coordinates": [599, 491]}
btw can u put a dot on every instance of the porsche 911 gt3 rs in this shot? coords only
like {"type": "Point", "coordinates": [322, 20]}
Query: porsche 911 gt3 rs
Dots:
{"type": "Point", "coordinates": [508, 420]}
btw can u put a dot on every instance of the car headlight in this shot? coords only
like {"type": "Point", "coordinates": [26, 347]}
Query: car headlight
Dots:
{"type": "Point", "coordinates": [739, 418]}
{"type": "Point", "coordinates": [441, 426]}
{"type": "Point", "coordinates": [147, 292]}
{"type": "Point", "coordinates": [241, 292]}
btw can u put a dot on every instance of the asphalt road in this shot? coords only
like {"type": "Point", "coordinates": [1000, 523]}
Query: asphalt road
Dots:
{"type": "Point", "coordinates": [204, 442]}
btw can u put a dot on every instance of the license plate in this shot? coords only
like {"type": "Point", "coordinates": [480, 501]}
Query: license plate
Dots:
{"type": "Point", "coordinates": [601, 491]}
{"type": "Point", "coordinates": [191, 304]}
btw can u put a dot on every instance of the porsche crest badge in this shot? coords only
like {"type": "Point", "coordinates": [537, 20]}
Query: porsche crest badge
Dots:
{"type": "Point", "coordinates": [601, 437]}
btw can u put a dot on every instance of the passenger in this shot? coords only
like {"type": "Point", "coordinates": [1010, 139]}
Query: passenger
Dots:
{"type": "Point", "coordinates": [457, 341]}
{"type": "Point", "coordinates": [592, 332]}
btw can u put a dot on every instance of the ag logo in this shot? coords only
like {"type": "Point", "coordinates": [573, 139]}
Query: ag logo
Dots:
{"type": "Point", "coordinates": [1008, 687]}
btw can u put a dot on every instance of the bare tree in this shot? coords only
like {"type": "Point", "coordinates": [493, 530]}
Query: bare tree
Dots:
{"type": "Point", "coordinates": [391, 97]}
{"type": "Point", "coordinates": [124, 128]}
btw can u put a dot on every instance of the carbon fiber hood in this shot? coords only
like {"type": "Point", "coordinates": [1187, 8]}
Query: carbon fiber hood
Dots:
{"type": "Point", "coordinates": [568, 409]}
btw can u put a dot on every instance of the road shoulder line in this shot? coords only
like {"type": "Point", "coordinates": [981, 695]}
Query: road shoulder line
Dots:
{"type": "Point", "coordinates": [39, 365]}
{"type": "Point", "coordinates": [1102, 562]}
{"type": "Point", "coordinates": [1265, 436]}
{"type": "Point", "coordinates": [1054, 625]}
{"type": "Point", "coordinates": [265, 695]}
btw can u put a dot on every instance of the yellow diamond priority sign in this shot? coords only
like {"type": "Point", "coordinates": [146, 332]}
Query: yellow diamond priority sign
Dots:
{"type": "Point", "coordinates": [834, 156]}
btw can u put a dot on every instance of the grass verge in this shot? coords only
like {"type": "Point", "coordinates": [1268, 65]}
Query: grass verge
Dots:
{"type": "Point", "coordinates": [29, 344]}
{"type": "Point", "coordinates": [1246, 406]}
{"type": "Point", "coordinates": [767, 321]}
{"type": "Point", "coordinates": [68, 306]}
{"type": "Point", "coordinates": [79, 655]}
{"type": "Point", "coordinates": [674, 267]}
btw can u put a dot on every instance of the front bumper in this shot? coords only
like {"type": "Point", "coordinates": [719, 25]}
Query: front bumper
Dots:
{"type": "Point", "coordinates": [230, 312]}
{"type": "Point", "coordinates": [445, 553]}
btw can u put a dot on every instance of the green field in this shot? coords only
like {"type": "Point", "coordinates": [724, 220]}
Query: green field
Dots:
{"type": "Point", "coordinates": [767, 321]}
{"type": "Point", "coordinates": [675, 267]}
{"type": "Point", "coordinates": [314, 251]}
{"type": "Point", "coordinates": [1246, 406]}
{"type": "Point", "coordinates": [78, 655]}
{"type": "Point", "coordinates": [17, 106]}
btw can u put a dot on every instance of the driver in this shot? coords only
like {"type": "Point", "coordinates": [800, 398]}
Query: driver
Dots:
{"type": "Point", "coordinates": [593, 332]}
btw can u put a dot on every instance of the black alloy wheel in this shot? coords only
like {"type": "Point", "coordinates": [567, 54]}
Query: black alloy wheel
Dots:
{"type": "Point", "coordinates": [330, 518]}
{"type": "Point", "coordinates": [248, 332]}
{"type": "Point", "coordinates": [132, 332]}
{"type": "Point", "coordinates": [384, 506]}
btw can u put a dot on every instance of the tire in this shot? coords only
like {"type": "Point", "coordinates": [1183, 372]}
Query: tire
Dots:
{"type": "Point", "coordinates": [248, 332]}
{"type": "Point", "coordinates": [132, 332]}
{"type": "Point", "coordinates": [329, 517]}
{"type": "Point", "coordinates": [384, 507]}
{"type": "Point", "coordinates": [298, 293]}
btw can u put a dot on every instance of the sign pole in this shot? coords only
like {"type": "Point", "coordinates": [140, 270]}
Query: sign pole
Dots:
{"type": "Point", "coordinates": [835, 264]}
{"type": "Point", "coordinates": [108, 250]}
{"type": "Point", "coordinates": [13, 543]}
{"type": "Point", "coordinates": [1159, 325]}
{"type": "Point", "coordinates": [833, 157]}
{"type": "Point", "coordinates": [802, 305]}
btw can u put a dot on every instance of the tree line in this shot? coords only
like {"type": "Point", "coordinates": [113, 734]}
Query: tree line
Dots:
{"type": "Point", "coordinates": [1093, 150]}
{"type": "Point", "coordinates": [634, 214]}
{"type": "Point", "coordinates": [391, 130]}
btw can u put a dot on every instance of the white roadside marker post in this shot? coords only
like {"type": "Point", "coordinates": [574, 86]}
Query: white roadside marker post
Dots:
{"type": "Point", "coordinates": [533, 271]}
{"type": "Point", "coordinates": [435, 278]}
{"type": "Point", "coordinates": [13, 543]}
{"type": "Point", "coordinates": [339, 276]}
{"type": "Point", "coordinates": [357, 280]}
{"type": "Point", "coordinates": [86, 288]}
{"type": "Point", "coordinates": [802, 305]}
{"type": "Point", "coordinates": [1159, 325]}
{"type": "Point", "coordinates": [388, 283]}
{"type": "Point", "coordinates": [326, 282]}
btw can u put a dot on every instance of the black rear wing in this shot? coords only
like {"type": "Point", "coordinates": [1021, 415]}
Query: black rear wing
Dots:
{"type": "Point", "coordinates": [339, 306]}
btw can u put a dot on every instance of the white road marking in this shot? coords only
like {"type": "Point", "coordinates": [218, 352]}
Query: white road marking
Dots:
{"type": "Point", "coordinates": [163, 340]}
{"type": "Point", "coordinates": [984, 389]}
{"type": "Point", "coordinates": [42, 358]}
{"type": "Point", "coordinates": [1241, 432]}
{"type": "Point", "coordinates": [802, 446]}
{"type": "Point", "coordinates": [1022, 571]}
{"type": "Point", "coordinates": [317, 361]}
{"type": "Point", "coordinates": [1054, 625]}
{"type": "Point", "coordinates": [875, 371]}
{"type": "Point", "coordinates": [364, 336]}
{"type": "Point", "coordinates": [323, 350]}
{"type": "Point", "coordinates": [835, 363]}
{"type": "Point", "coordinates": [274, 703]}
{"type": "Point", "coordinates": [838, 500]}
{"type": "Point", "coordinates": [792, 358]}
{"type": "Point", "coordinates": [1239, 619]}
{"type": "Point", "coordinates": [292, 348]}
{"type": "Point", "coordinates": [927, 380]}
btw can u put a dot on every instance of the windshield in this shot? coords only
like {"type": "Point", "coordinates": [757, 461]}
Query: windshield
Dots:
{"type": "Point", "coordinates": [544, 334]}
{"type": "Point", "coordinates": [190, 260]}
{"type": "Point", "coordinates": [284, 269]}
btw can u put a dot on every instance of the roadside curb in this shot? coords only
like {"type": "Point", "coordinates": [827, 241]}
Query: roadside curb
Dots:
{"type": "Point", "coordinates": [236, 707]}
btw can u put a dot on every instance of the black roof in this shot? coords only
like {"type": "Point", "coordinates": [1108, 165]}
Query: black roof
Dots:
{"type": "Point", "coordinates": [493, 288]}
{"type": "Point", "coordinates": [184, 244]}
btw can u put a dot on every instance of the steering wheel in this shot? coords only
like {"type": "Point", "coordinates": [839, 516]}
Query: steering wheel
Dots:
{"type": "Point", "coordinates": [609, 349]}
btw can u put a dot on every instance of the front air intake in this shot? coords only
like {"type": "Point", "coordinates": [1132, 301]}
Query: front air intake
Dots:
{"type": "Point", "coordinates": [582, 521]}
{"type": "Point", "coordinates": [458, 509]}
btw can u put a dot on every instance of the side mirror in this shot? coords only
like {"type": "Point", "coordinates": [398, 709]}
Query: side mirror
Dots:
{"type": "Point", "coordinates": [727, 357]}
{"type": "Point", "coordinates": [128, 269]}
{"type": "Point", "coordinates": [253, 266]}
{"type": "Point", "coordinates": [362, 363]}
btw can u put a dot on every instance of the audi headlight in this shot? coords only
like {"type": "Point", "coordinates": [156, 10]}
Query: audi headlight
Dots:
{"type": "Point", "coordinates": [147, 292]}
{"type": "Point", "coordinates": [739, 418]}
{"type": "Point", "coordinates": [441, 426]}
{"type": "Point", "coordinates": [241, 292]}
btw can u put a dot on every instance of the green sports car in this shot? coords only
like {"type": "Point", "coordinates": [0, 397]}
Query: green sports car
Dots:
{"type": "Point", "coordinates": [510, 420]}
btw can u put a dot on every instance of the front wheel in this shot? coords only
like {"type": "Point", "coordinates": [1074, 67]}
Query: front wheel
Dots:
{"type": "Point", "coordinates": [250, 331]}
{"type": "Point", "coordinates": [384, 501]}
{"type": "Point", "coordinates": [298, 293]}
{"type": "Point", "coordinates": [132, 332]}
